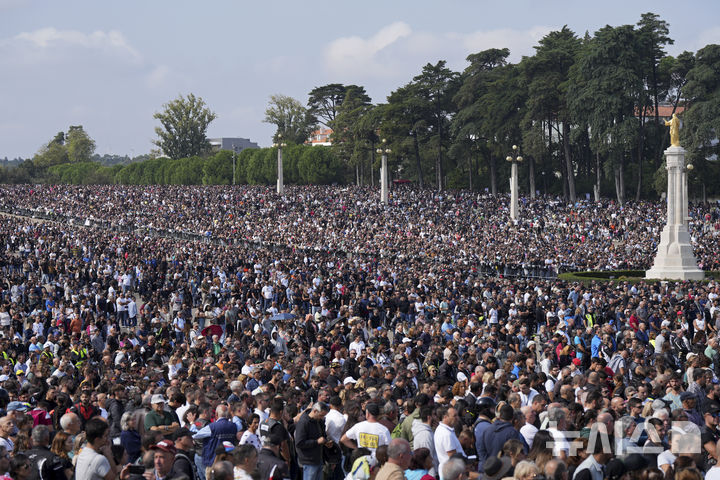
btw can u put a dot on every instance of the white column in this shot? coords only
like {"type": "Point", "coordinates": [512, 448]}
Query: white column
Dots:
{"type": "Point", "coordinates": [384, 180]}
{"type": "Point", "coordinates": [675, 259]}
{"type": "Point", "coordinates": [280, 185]}
{"type": "Point", "coordinates": [514, 191]}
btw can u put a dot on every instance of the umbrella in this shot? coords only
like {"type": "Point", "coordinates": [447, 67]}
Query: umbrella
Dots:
{"type": "Point", "coordinates": [212, 330]}
{"type": "Point", "coordinates": [283, 316]}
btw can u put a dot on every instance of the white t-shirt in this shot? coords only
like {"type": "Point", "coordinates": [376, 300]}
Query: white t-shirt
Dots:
{"type": "Point", "coordinates": [369, 435]}
{"type": "Point", "coordinates": [91, 465]}
{"type": "Point", "coordinates": [528, 432]}
{"type": "Point", "coordinates": [334, 424]}
{"type": "Point", "coordinates": [446, 441]}
{"type": "Point", "coordinates": [713, 473]}
{"type": "Point", "coordinates": [560, 442]}
{"type": "Point", "coordinates": [667, 458]}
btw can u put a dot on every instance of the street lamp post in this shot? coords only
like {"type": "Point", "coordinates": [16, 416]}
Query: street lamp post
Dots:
{"type": "Point", "coordinates": [279, 144]}
{"type": "Point", "coordinates": [384, 173]}
{"type": "Point", "coordinates": [234, 161]}
{"type": "Point", "coordinates": [514, 159]}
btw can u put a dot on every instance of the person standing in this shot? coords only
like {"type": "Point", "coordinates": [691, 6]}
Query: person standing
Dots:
{"type": "Point", "coordinates": [310, 440]}
{"type": "Point", "coordinates": [369, 434]}
{"type": "Point", "coordinates": [45, 464]}
{"type": "Point", "coordinates": [221, 430]}
{"type": "Point", "coordinates": [269, 463]}
{"type": "Point", "coordinates": [446, 442]}
{"type": "Point", "coordinates": [184, 463]}
{"type": "Point", "coordinates": [95, 461]}
{"type": "Point", "coordinates": [159, 419]}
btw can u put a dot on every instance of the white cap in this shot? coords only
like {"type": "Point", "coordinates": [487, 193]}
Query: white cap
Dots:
{"type": "Point", "coordinates": [349, 380]}
{"type": "Point", "coordinates": [157, 398]}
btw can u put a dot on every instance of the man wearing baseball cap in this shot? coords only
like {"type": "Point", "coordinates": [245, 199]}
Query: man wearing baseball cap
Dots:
{"type": "Point", "coordinates": [184, 455]}
{"type": "Point", "coordinates": [160, 420]}
{"type": "Point", "coordinates": [163, 459]}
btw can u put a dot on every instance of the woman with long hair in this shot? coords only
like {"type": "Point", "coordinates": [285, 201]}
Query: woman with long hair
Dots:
{"type": "Point", "coordinates": [62, 444]}
{"type": "Point", "coordinates": [540, 453]}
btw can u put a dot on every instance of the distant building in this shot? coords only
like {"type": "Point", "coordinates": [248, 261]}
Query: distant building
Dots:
{"type": "Point", "coordinates": [665, 111]}
{"type": "Point", "coordinates": [320, 137]}
{"type": "Point", "coordinates": [232, 144]}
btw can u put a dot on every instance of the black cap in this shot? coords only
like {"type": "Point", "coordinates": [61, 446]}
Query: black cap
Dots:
{"type": "Point", "coordinates": [183, 432]}
{"type": "Point", "coordinates": [635, 461]}
{"type": "Point", "coordinates": [615, 469]}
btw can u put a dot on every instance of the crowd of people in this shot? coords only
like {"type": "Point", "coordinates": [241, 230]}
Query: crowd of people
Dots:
{"type": "Point", "coordinates": [323, 336]}
{"type": "Point", "coordinates": [461, 229]}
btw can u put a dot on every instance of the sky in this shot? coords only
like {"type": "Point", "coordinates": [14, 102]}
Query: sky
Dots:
{"type": "Point", "coordinates": [109, 66]}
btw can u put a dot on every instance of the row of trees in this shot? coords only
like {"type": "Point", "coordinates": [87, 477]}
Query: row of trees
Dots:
{"type": "Point", "coordinates": [303, 164]}
{"type": "Point", "coordinates": [257, 166]}
{"type": "Point", "coordinates": [584, 110]}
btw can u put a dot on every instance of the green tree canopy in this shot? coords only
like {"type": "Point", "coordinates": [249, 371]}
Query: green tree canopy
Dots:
{"type": "Point", "coordinates": [80, 147]}
{"type": "Point", "coordinates": [184, 125]}
{"type": "Point", "coordinates": [293, 121]}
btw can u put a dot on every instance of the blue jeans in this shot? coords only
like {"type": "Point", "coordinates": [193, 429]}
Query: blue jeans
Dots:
{"type": "Point", "coordinates": [200, 466]}
{"type": "Point", "coordinates": [312, 472]}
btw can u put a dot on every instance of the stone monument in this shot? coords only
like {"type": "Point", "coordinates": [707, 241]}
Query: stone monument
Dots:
{"type": "Point", "coordinates": [675, 259]}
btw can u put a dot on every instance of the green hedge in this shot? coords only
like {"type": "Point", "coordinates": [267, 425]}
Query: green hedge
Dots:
{"type": "Point", "coordinates": [631, 276]}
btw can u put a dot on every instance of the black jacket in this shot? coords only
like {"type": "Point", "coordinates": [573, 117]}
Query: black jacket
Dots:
{"type": "Point", "coordinates": [271, 466]}
{"type": "Point", "coordinates": [183, 465]}
{"type": "Point", "coordinates": [42, 458]}
{"type": "Point", "coordinates": [307, 432]}
{"type": "Point", "coordinates": [115, 412]}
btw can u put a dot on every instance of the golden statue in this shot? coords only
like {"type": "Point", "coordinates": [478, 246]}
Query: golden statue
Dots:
{"type": "Point", "coordinates": [675, 123]}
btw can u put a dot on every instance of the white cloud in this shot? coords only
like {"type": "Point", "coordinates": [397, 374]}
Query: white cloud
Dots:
{"type": "Point", "coordinates": [43, 41]}
{"type": "Point", "coordinates": [358, 55]}
{"type": "Point", "coordinates": [398, 52]}
{"type": "Point", "coordinates": [520, 42]}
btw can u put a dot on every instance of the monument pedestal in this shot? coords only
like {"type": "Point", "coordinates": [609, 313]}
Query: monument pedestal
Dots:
{"type": "Point", "coordinates": [675, 259]}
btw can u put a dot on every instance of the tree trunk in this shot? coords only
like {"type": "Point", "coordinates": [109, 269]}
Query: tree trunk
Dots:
{"type": "Point", "coordinates": [597, 177]}
{"type": "Point", "coordinates": [416, 146]}
{"type": "Point", "coordinates": [357, 174]}
{"type": "Point", "coordinates": [531, 176]}
{"type": "Point", "coordinates": [641, 144]}
{"type": "Point", "coordinates": [619, 182]}
{"type": "Point", "coordinates": [568, 161]}
{"type": "Point", "coordinates": [372, 163]}
{"type": "Point", "coordinates": [493, 175]}
{"type": "Point", "coordinates": [470, 170]}
{"type": "Point", "coordinates": [438, 163]}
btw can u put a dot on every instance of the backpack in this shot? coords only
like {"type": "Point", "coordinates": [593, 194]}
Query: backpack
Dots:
{"type": "Point", "coordinates": [195, 474]}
